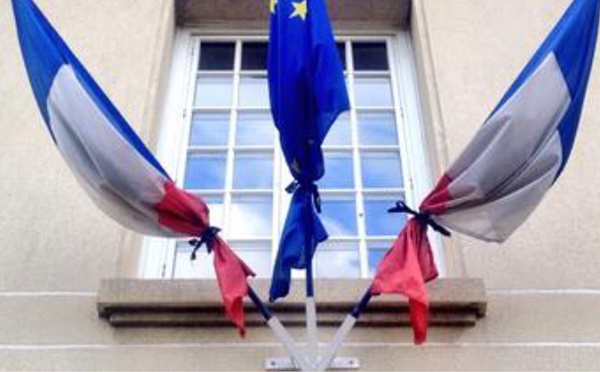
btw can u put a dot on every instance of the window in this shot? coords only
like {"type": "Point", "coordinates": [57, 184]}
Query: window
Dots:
{"type": "Point", "coordinates": [220, 142]}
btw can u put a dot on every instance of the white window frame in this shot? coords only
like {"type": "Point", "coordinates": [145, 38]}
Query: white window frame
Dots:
{"type": "Point", "coordinates": [157, 259]}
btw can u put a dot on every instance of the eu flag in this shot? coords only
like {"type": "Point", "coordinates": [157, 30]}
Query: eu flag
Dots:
{"type": "Point", "coordinates": [308, 93]}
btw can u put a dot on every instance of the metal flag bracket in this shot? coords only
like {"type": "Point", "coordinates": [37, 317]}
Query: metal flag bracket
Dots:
{"type": "Point", "coordinates": [308, 358]}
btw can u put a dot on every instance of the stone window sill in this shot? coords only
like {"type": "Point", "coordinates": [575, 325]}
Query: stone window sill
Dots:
{"type": "Point", "coordinates": [172, 303]}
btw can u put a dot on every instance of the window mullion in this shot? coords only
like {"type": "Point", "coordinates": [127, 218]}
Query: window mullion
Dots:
{"type": "Point", "coordinates": [359, 203]}
{"type": "Point", "coordinates": [405, 156]}
{"type": "Point", "coordinates": [187, 116]}
{"type": "Point", "coordinates": [231, 142]}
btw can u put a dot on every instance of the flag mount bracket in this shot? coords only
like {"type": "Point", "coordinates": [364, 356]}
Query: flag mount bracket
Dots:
{"type": "Point", "coordinates": [287, 364]}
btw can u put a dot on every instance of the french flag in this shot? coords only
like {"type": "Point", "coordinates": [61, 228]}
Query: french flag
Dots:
{"type": "Point", "coordinates": [107, 157]}
{"type": "Point", "coordinates": [510, 164]}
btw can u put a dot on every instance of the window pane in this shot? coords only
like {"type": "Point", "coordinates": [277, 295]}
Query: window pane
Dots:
{"type": "Point", "coordinates": [338, 171]}
{"type": "Point", "coordinates": [256, 255]}
{"type": "Point", "coordinates": [254, 129]}
{"type": "Point", "coordinates": [213, 91]}
{"type": "Point", "coordinates": [341, 47]}
{"type": "Point", "coordinates": [337, 264]}
{"type": "Point", "coordinates": [373, 92]}
{"type": "Point", "coordinates": [209, 129]}
{"type": "Point", "coordinates": [370, 56]}
{"type": "Point", "coordinates": [377, 128]}
{"type": "Point", "coordinates": [185, 268]}
{"type": "Point", "coordinates": [254, 92]}
{"type": "Point", "coordinates": [216, 56]}
{"type": "Point", "coordinates": [205, 171]}
{"type": "Point", "coordinates": [381, 170]}
{"type": "Point", "coordinates": [254, 56]}
{"type": "Point", "coordinates": [215, 206]}
{"type": "Point", "coordinates": [340, 133]}
{"type": "Point", "coordinates": [339, 217]}
{"type": "Point", "coordinates": [251, 217]}
{"type": "Point", "coordinates": [379, 221]}
{"type": "Point", "coordinates": [376, 254]}
{"type": "Point", "coordinates": [253, 171]}
{"type": "Point", "coordinates": [258, 260]}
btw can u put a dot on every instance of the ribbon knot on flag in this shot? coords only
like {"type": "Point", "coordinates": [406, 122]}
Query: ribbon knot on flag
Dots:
{"type": "Point", "coordinates": [424, 218]}
{"type": "Point", "coordinates": [312, 187]}
{"type": "Point", "coordinates": [208, 238]}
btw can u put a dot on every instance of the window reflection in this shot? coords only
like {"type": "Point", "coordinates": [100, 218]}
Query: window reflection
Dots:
{"type": "Point", "coordinates": [258, 260]}
{"type": "Point", "coordinates": [340, 133]}
{"type": "Point", "coordinates": [377, 128]}
{"type": "Point", "coordinates": [254, 92]}
{"type": "Point", "coordinates": [338, 171]}
{"type": "Point", "coordinates": [379, 221]}
{"type": "Point", "coordinates": [376, 254]}
{"type": "Point", "coordinates": [185, 268]}
{"type": "Point", "coordinates": [254, 129]}
{"type": "Point", "coordinates": [253, 171]}
{"type": "Point", "coordinates": [381, 170]}
{"type": "Point", "coordinates": [337, 264]}
{"type": "Point", "coordinates": [250, 217]}
{"type": "Point", "coordinates": [210, 129]}
{"type": "Point", "coordinates": [339, 217]}
{"type": "Point", "coordinates": [213, 91]}
{"type": "Point", "coordinates": [215, 206]}
{"type": "Point", "coordinates": [373, 92]}
{"type": "Point", "coordinates": [205, 171]}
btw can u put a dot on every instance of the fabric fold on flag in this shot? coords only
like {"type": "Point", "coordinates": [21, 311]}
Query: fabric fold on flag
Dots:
{"type": "Point", "coordinates": [307, 92]}
{"type": "Point", "coordinates": [232, 275]}
{"type": "Point", "coordinates": [107, 157]}
{"type": "Point", "coordinates": [302, 232]}
{"type": "Point", "coordinates": [509, 165]}
{"type": "Point", "coordinates": [405, 269]}
{"type": "Point", "coordinates": [488, 192]}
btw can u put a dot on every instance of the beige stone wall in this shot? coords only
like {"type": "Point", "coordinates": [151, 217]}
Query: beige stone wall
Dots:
{"type": "Point", "coordinates": [55, 246]}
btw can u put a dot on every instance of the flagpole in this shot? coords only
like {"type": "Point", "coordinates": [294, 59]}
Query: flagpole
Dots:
{"type": "Point", "coordinates": [278, 329]}
{"type": "Point", "coordinates": [336, 343]}
{"type": "Point", "coordinates": [311, 313]}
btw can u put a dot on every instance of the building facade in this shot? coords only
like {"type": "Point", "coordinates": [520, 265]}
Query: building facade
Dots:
{"type": "Point", "coordinates": [79, 292]}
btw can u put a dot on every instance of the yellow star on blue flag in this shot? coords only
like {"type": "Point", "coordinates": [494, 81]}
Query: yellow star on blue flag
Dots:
{"type": "Point", "coordinates": [300, 10]}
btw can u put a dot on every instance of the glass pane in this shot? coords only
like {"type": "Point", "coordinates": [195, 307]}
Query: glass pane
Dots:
{"type": "Point", "coordinates": [381, 170]}
{"type": "Point", "coordinates": [217, 56]}
{"type": "Point", "coordinates": [253, 171]}
{"type": "Point", "coordinates": [185, 268]}
{"type": "Point", "coordinates": [339, 217]}
{"type": "Point", "coordinates": [337, 264]}
{"type": "Point", "coordinates": [370, 56]}
{"type": "Point", "coordinates": [258, 260]}
{"type": "Point", "coordinates": [215, 206]}
{"type": "Point", "coordinates": [377, 128]}
{"type": "Point", "coordinates": [338, 171]}
{"type": "Point", "coordinates": [341, 47]}
{"type": "Point", "coordinates": [209, 129]}
{"type": "Point", "coordinates": [251, 217]}
{"type": "Point", "coordinates": [254, 56]}
{"type": "Point", "coordinates": [213, 91]}
{"type": "Point", "coordinates": [340, 133]}
{"type": "Point", "coordinates": [373, 92]}
{"type": "Point", "coordinates": [379, 221]}
{"type": "Point", "coordinates": [254, 92]}
{"type": "Point", "coordinates": [205, 171]}
{"type": "Point", "coordinates": [376, 254]}
{"type": "Point", "coordinates": [254, 129]}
